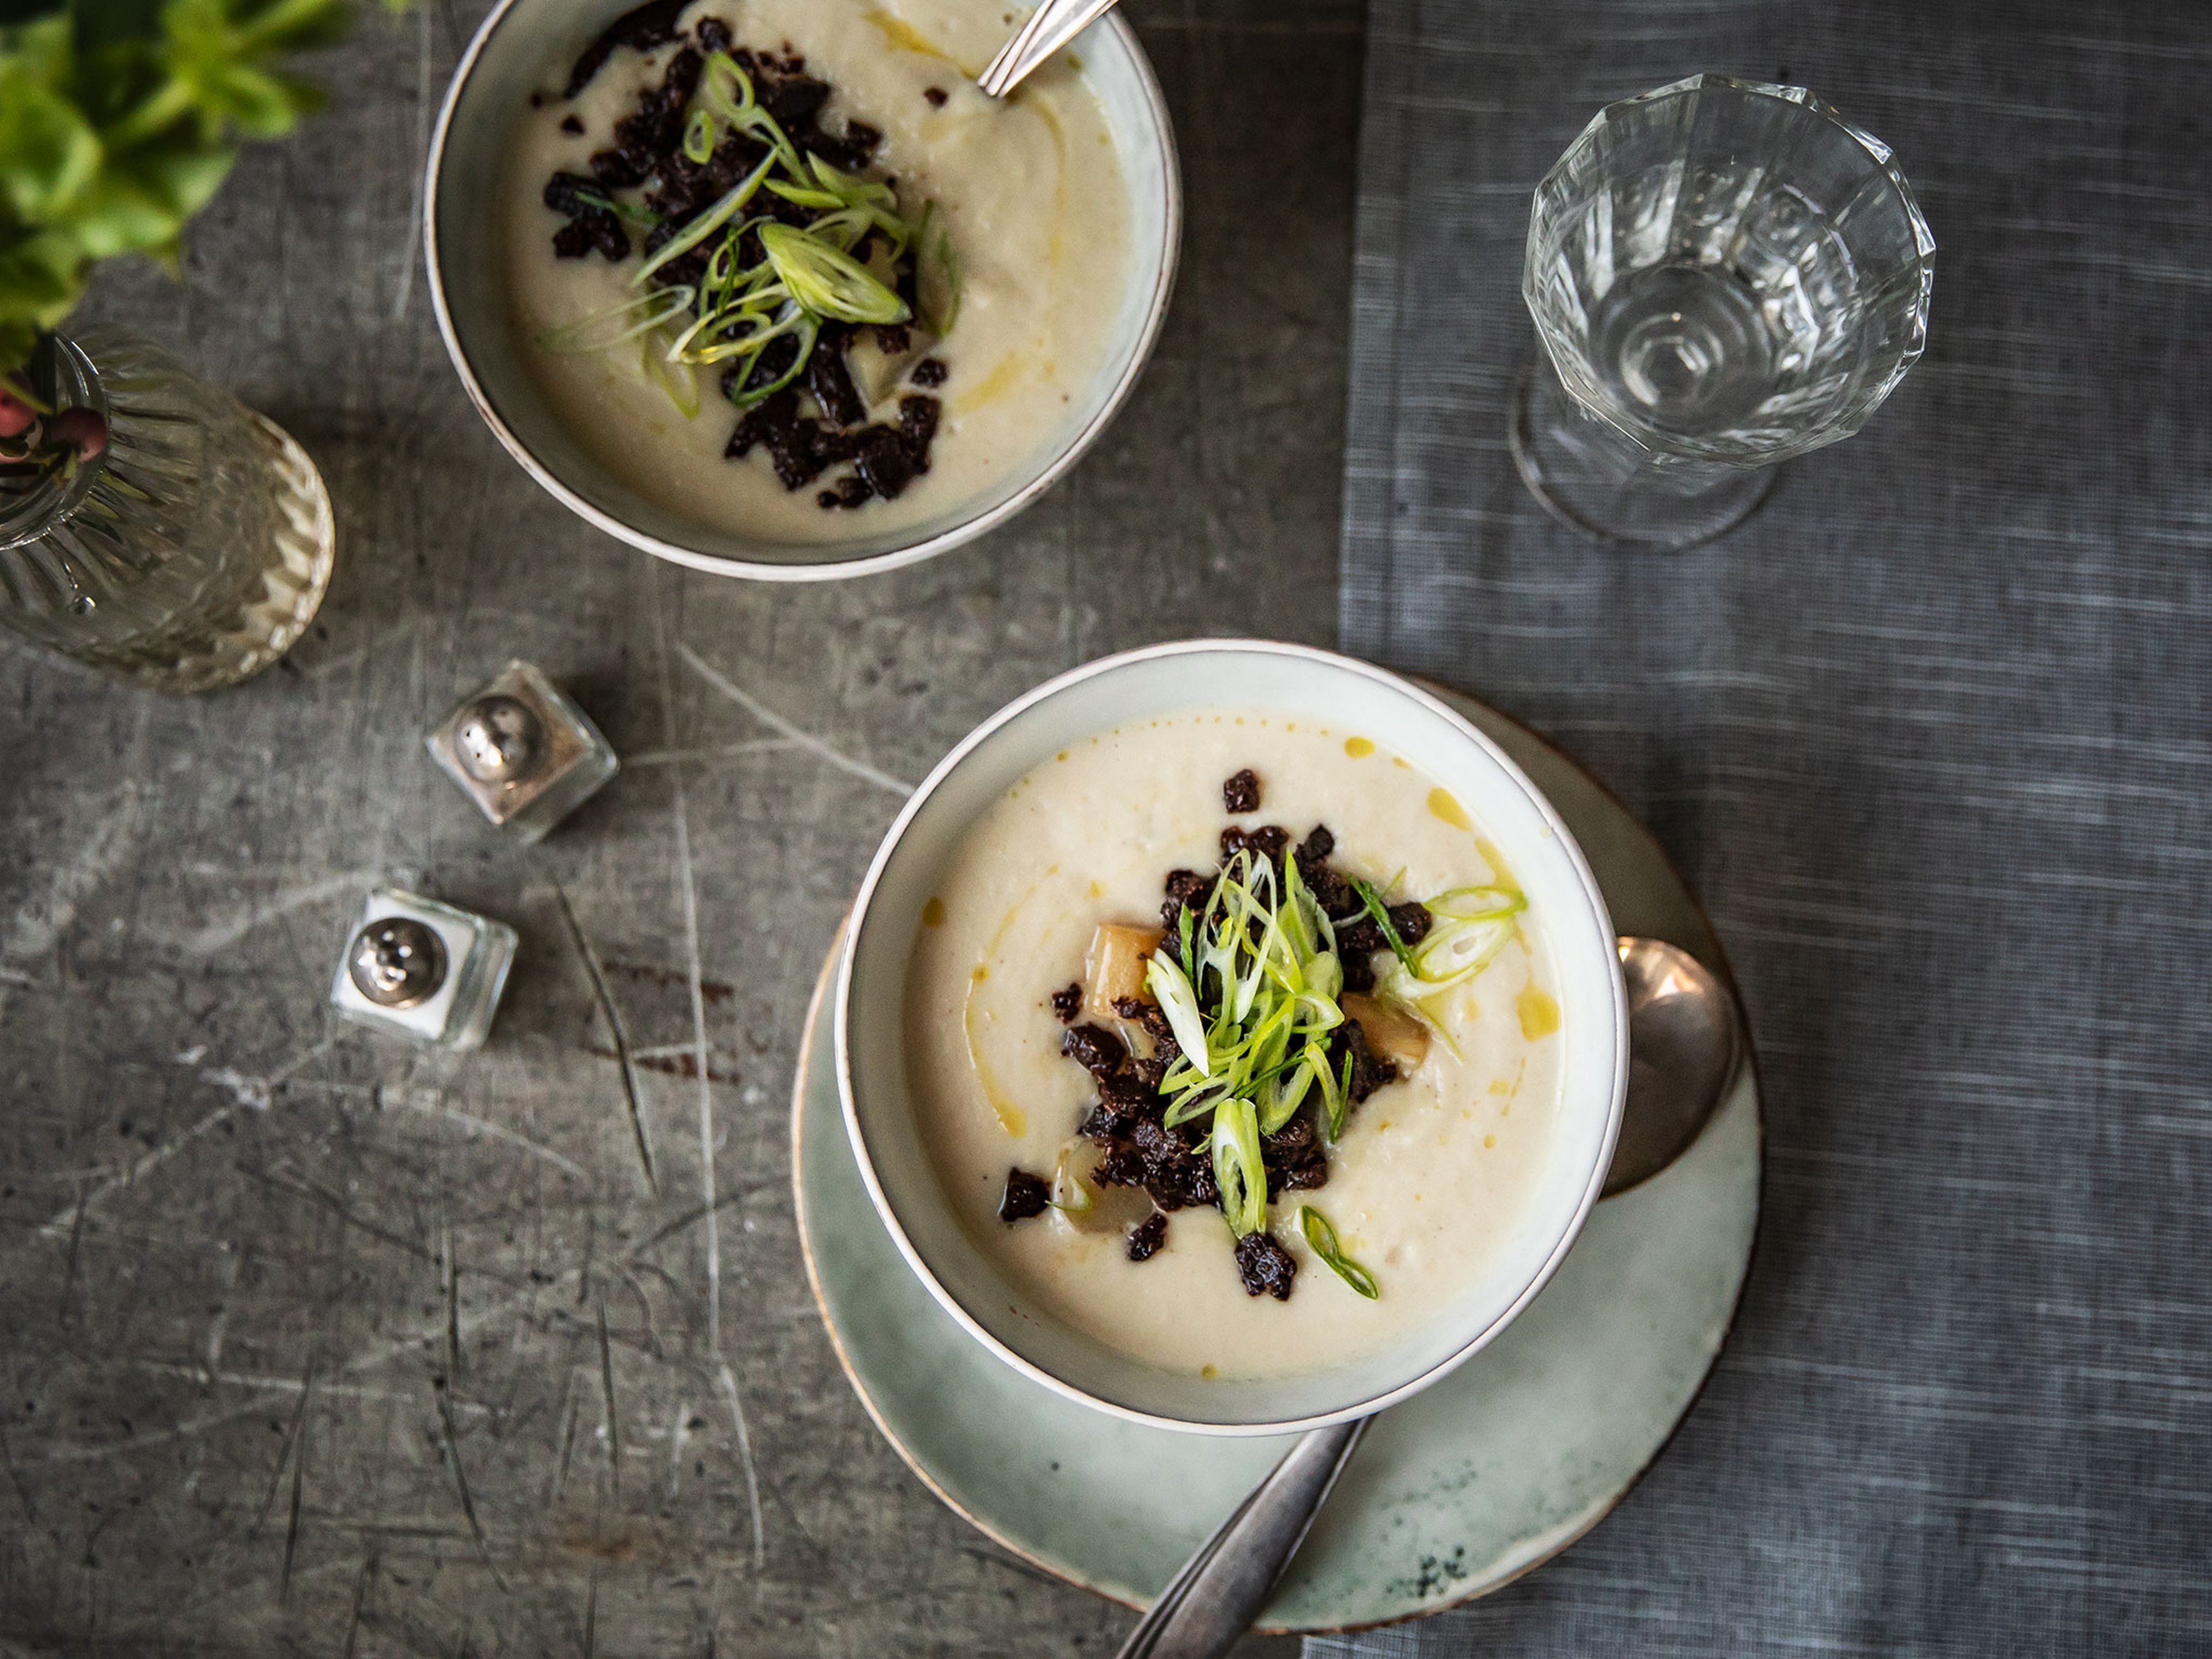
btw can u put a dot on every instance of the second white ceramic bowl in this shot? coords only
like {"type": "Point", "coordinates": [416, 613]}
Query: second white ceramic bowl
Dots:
{"type": "Point", "coordinates": [462, 211]}
{"type": "Point", "coordinates": [1140, 685]}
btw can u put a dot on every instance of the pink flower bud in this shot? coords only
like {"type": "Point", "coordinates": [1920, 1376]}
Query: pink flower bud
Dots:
{"type": "Point", "coordinates": [15, 417]}
{"type": "Point", "coordinates": [84, 430]}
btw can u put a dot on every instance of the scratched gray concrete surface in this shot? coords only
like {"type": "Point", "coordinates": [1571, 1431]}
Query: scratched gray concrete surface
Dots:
{"type": "Point", "coordinates": [301, 1329]}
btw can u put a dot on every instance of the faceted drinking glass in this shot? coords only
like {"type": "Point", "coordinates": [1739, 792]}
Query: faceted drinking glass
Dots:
{"type": "Point", "coordinates": [1724, 274]}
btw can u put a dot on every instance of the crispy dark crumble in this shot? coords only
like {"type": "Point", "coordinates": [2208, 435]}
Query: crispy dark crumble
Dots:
{"type": "Point", "coordinates": [651, 25]}
{"type": "Point", "coordinates": [572, 125]}
{"type": "Point", "coordinates": [1095, 1049]}
{"type": "Point", "coordinates": [1147, 1236]}
{"type": "Point", "coordinates": [1240, 793]}
{"type": "Point", "coordinates": [936, 95]}
{"type": "Point", "coordinates": [589, 227]}
{"type": "Point", "coordinates": [1026, 1196]}
{"type": "Point", "coordinates": [1183, 887]}
{"type": "Point", "coordinates": [1067, 1003]}
{"type": "Point", "coordinates": [1266, 1267]}
{"type": "Point", "coordinates": [929, 372]}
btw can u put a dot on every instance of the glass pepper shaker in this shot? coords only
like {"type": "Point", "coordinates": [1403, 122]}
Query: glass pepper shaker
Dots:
{"type": "Point", "coordinates": [523, 751]}
{"type": "Point", "coordinates": [425, 971]}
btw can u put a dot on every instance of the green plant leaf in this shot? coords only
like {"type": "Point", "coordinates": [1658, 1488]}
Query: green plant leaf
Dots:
{"type": "Point", "coordinates": [118, 216]}
{"type": "Point", "coordinates": [48, 154]}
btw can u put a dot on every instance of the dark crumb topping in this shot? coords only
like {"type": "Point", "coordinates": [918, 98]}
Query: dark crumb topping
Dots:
{"type": "Point", "coordinates": [1270, 841]}
{"type": "Point", "coordinates": [936, 96]}
{"type": "Point", "coordinates": [1095, 1049]}
{"type": "Point", "coordinates": [1026, 1196]}
{"type": "Point", "coordinates": [820, 421]}
{"type": "Point", "coordinates": [1266, 1267]}
{"type": "Point", "coordinates": [1067, 1003]}
{"type": "Point", "coordinates": [1147, 1236]}
{"type": "Point", "coordinates": [573, 125]}
{"type": "Point", "coordinates": [651, 25]}
{"type": "Point", "coordinates": [1240, 794]}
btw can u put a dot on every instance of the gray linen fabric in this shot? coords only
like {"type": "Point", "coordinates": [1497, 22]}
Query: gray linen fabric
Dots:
{"type": "Point", "coordinates": [1930, 735]}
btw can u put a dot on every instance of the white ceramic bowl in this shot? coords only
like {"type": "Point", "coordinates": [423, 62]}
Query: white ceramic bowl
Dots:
{"type": "Point", "coordinates": [461, 213]}
{"type": "Point", "coordinates": [1563, 899]}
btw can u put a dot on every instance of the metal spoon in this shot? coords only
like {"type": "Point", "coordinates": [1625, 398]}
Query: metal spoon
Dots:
{"type": "Point", "coordinates": [1050, 26]}
{"type": "Point", "coordinates": [1686, 1044]}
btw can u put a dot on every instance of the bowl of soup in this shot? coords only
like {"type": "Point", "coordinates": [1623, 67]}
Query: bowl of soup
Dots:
{"type": "Point", "coordinates": [1230, 1036]}
{"type": "Point", "coordinates": [770, 289]}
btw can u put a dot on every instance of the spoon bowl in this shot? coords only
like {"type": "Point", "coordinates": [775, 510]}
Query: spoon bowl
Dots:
{"type": "Point", "coordinates": [1685, 1048]}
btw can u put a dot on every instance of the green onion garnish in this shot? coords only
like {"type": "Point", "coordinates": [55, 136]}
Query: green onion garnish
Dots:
{"type": "Point", "coordinates": [829, 282]}
{"type": "Point", "coordinates": [1321, 1237]}
{"type": "Point", "coordinates": [611, 327]}
{"type": "Point", "coordinates": [1237, 1169]}
{"type": "Point", "coordinates": [1475, 903]}
{"type": "Point", "coordinates": [937, 272]}
{"type": "Point", "coordinates": [809, 331]}
{"type": "Point", "coordinates": [700, 136]}
{"type": "Point", "coordinates": [1179, 1002]}
{"type": "Point", "coordinates": [644, 218]}
{"type": "Point", "coordinates": [1372, 901]}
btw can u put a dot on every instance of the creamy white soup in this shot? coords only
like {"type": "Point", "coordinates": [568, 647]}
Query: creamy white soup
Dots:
{"type": "Point", "coordinates": [1432, 1172]}
{"type": "Point", "coordinates": [1035, 204]}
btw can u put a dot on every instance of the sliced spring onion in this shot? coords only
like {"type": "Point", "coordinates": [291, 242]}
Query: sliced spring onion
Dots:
{"type": "Point", "coordinates": [1372, 902]}
{"type": "Point", "coordinates": [1179, 1002]}
{"type": "Point", "coordinates": [1461, 951]}
{"type": "Point", "coordinates": [616, 323]}
{"type": "Point", "coordinates": [804, 197]}
{"type": "Point", "coordinates": [731, 102]}
{"type": "Point", "coordinates": [1192, 1107]}
{"type": "Point", "coordinates": [1475, 903]}
{"type": "Point", "coordinates": [1237, 1169]}
{"type": "Point", "coordinates": [937, 272]}
{"type": "Point", "coordinates": [809, 331]}
{"type": "Point", "coordinates": [700, 137]}
{"type": "Point", "coordinates": [706, 224]}
{"type": "Point", "coordinates": [1335, 1092]}
{"type": "Point", "coordinates": [1283, 1094]}
{"type": "Point", "coordinates": [1320, 1239]}
{"type": "Point", "coordinates": [852, 188]}
{"type": "Point", "coordinates": [674, 379]}
{"type": "Point", "coordinates": [645, 218]}
{"type": "Point", "coordinates": [828, 281]}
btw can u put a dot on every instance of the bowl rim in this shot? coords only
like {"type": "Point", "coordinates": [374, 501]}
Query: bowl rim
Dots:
{"type": "Point", "coordinates": [1164, 282]}
{"type": "Point", "coordinates": [856, 926]}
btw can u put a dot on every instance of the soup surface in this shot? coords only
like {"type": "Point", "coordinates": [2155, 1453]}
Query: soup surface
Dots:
{"type": "Point", "coordinates": [1036, 198]}
{"type": "Point", "coordinates": [1432, 1171]}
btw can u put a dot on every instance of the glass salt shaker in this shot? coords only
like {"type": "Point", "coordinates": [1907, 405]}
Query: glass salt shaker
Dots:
{"type": "Point", "coordinates": [425, 971]}
{"type": "Point", "coordinates": [523, 752]}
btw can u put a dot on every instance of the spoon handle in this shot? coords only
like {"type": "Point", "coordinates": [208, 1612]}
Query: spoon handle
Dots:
{"type": "Point", "coordinates": [1051, 27]}
{"type": "Point", "coordinates": [1213, 1601]}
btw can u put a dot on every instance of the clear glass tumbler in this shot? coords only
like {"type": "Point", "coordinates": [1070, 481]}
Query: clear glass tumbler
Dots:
{"type": "Point", "coordinates": [191, 553]}
{"type": "Point", "coordinates": [1724, 274]}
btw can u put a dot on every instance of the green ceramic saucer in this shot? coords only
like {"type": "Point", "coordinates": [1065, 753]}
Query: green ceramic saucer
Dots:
{"type": "Point", "coordinates": [1497, 1468]}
